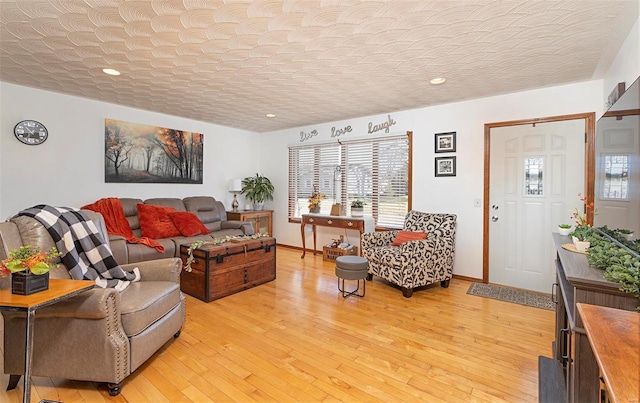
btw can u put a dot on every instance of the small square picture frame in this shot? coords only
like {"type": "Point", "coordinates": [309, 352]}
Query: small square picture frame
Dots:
{"type": "Point", "coordinates": [445, 142]}
{"type": "Point", "coordinates": [445, 166]}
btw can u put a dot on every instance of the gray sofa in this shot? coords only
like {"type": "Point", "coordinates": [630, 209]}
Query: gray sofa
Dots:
{"type": "Point", "coordinates": [210, 211]}
{"type": "Point", "coordinates": [100, 335]}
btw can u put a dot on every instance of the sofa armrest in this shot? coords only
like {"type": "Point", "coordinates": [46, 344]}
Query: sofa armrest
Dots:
{"type": "Point", "coordinates": [119, 249]}
{"type": "Point", "coordinates": [76, 331]}
{"type": "Point", "coordinates": [167, 269]}
{"type": "Point", "coordinates": [379, 238]}
{"type": "Point", "coordinates": [91, 304]}
{"type": "Point", "coordinates": [246, 227]}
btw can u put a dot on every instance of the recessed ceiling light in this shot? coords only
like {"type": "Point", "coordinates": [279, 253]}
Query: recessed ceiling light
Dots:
{"type": "Point", "coordinates": [438, 80]}
{"type": "Point", "coordinates": [111, 72]}
{"type": "Point", "coordinates": [270, 115]}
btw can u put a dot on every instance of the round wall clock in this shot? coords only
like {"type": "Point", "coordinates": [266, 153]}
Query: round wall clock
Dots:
{"type": "Point", "coordinates": [31, 132]}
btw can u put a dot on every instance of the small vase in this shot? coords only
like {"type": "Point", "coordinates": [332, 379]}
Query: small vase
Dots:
{"type": "Point", "coordinates": [314, 210]}
{"type": "Point", "coordinates": [564, 231]}
{"type": "Point", "coordinates": [26, 283]}
{"type": "Point", "coordinates": [582, 246]}
{"type": "Point", "coordinates": [357, 211]}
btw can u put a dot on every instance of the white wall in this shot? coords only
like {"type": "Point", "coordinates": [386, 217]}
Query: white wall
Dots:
{"type": "Point", "coordinates": [68, 168]}
{"type": "Point", "coordinates": [626, 65]}
{"type": "Point", "coordinates": [453, 194]}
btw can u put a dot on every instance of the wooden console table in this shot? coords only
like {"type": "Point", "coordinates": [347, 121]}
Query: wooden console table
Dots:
{"type": "Point", "coordinates": [614, 336]}
{"type": "Point", "coordinates": [58, 290]}
{"type": "Point", "coordinates": [360, 224]}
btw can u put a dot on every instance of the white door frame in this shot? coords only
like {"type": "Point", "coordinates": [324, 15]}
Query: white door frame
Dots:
{"type": "Point", "coordinates": [589, 176]}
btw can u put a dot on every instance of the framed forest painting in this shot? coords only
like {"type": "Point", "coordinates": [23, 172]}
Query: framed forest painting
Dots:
{"type": "Point", "coordinates": [137, 153]}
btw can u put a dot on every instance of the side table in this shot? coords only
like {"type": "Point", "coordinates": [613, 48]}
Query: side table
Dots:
{"type": "Point", "coordinates": [59, 290]}
{"type": "Point", "coordinates": [262, 220]}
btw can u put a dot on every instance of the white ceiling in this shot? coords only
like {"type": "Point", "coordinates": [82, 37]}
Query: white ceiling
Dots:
{"type": "Point", "coordinates": [232, 62]}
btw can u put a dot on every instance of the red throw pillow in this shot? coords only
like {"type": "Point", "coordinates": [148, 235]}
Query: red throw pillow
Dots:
{"type": "Point", "coordinates": [188, 223]}
{"type": "Point", "coordinates": [155, 222]}
{"type": "Point", "coordinates": [404, 236]}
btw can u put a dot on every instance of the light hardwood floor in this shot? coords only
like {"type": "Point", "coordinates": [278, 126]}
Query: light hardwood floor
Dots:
{"type": "Point", "coordinates": [297, 339]}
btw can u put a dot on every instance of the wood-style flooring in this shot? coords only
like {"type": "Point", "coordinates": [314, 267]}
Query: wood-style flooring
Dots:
{"type": "Point", "coordinates": [296, 339]}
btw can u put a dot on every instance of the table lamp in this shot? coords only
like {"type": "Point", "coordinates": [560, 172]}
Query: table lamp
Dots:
{"type": "Point", "coordinates": [235, 187]}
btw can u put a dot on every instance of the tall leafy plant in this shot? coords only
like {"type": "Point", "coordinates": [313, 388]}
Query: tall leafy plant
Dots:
{"type": "Point", "coordinates": [257, 188]}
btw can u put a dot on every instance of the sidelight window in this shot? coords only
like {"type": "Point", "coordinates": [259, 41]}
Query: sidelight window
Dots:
{"type": "Point", "coordinates": [616, 177]}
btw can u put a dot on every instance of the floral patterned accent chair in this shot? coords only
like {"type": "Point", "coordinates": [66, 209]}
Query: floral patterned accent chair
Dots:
{"type": "Point", "coordinates": [417, 262]}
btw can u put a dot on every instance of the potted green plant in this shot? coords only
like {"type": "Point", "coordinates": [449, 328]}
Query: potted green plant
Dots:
{"type": "Point", "coordinates": [257, 189]}
{"type": "Point", "coordinates": [580, 237]}
{"type": "Point", "coordinates": [357, 208]}
{"type": "Point", "coordinates": [627, 233]}
{"type": "Point", "coordinates": [564, 229]}
{"type": "Point", "coordinates": [29, 269]}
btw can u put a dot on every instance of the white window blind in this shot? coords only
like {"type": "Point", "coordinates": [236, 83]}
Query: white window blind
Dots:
{"type": "Point", "coordinates": [373, 170]}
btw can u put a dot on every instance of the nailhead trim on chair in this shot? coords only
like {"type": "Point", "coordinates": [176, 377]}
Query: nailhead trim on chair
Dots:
{"type": "Point", "coordinates": [121, 372]}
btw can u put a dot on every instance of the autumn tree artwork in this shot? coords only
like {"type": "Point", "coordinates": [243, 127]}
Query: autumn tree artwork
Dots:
{"type": "Point", "coordinates": [136, 153]}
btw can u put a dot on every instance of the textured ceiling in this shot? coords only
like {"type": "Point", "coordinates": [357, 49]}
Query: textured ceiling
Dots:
{"type": "Point", "coordinates": [231, 62]}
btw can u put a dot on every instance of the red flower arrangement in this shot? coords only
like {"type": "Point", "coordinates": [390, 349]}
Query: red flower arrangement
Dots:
{"type": "Point", "coordinates": [30, 259]}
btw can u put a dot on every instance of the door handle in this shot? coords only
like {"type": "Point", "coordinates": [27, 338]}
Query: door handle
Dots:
{"type": "Point", "coordinates": [494, 218]}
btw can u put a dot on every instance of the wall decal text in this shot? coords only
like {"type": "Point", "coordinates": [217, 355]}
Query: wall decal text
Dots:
{"type": "Point", "coordinates": [306, 136]}
{"type": "Point", "coordinates": [340, 132]}
{"type": "Point", "coordinates": [382, 126]}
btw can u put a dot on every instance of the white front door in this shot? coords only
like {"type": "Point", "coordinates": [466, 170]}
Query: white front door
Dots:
{"type": "Point", "coordinates": [536, 174]}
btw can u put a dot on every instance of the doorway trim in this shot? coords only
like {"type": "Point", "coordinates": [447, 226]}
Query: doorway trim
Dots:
{"type": "Point", "coordinates": [589, 166]}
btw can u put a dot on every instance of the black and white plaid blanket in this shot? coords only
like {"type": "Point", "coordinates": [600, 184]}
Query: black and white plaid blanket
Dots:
{"type": "Point", "coordinates": [84, 252]}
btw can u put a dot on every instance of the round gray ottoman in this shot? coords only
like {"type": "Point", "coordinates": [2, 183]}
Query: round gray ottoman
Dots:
{"type": "Point", "coordinates": [352, 268]}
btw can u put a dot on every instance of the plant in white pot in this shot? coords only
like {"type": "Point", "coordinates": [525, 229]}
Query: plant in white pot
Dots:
{"type": "Point", "coordinates": [579, 237]}
{"type": "Point", "coordinates": [627, 233]}
{"type": "Point", "coordinates": [564, 229]}
{"type": "Point", "coordinates": [357, 208]}
{"type": "Point", "coordinates": [257, 189]}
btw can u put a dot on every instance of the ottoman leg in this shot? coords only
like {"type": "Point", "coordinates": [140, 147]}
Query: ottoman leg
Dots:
{"type": "Point", "coordinates": [346, 293]}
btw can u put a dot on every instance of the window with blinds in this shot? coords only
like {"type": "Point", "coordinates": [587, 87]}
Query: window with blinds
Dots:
{"type": "Point", "coordinates": [375, 171]}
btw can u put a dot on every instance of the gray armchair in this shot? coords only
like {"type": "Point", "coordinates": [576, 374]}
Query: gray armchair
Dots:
{"type": "Point", "coordinates": [414, 263]}
{"type": "Point", "coordinates": [101, 335]}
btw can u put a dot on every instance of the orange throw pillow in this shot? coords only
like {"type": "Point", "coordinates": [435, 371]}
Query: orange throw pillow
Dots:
{"type": "Point", "coordinates": [404, 236]}
{"type": "Point", "coordinates": [155, 221]}
{"type": "Point", "coordinates": [188, 223]}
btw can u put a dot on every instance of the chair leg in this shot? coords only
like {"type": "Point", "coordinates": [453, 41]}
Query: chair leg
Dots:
{"type": "Point", "coordinates": [177, 333]}
{"type": "Point", "coordinates": [13, 381]}
{"type": "Point", "coordinates": [369, 277]}
{"type": "Point", "coordinates": [114, 388]}
{"type": "Point", "coordinates": [407, 292]}
{"type": "Point", "coordinates": [444, 284]}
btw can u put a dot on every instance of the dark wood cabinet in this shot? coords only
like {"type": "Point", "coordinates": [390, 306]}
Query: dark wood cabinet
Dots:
{"type": "Point", "coordinates": [573, 361]}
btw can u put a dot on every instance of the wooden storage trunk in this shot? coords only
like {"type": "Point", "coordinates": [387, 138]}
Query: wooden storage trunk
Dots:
{"type": "Point", "coordinates": [224, 269]}
{"type": "Point", "coordinates": [331, 254]}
